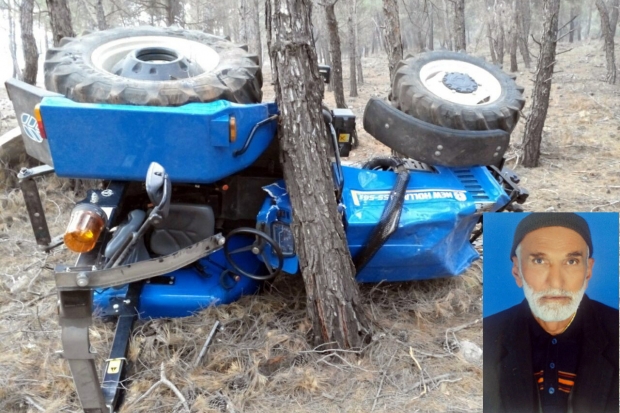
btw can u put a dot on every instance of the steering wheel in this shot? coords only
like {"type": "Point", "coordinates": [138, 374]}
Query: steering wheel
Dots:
{"type": "Point", "coordinates": [258, 248]}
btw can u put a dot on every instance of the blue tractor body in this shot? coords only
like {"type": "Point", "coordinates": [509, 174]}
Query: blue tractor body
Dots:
{"type": "Point", "coordinates": [199, 144]}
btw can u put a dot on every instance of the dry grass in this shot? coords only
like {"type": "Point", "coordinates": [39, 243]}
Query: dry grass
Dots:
{"type": "Point", "coordinates": [260, 360]}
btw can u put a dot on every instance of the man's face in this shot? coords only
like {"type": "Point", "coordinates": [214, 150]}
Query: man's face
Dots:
{"type": "Point", "coordinates": [553, 267]}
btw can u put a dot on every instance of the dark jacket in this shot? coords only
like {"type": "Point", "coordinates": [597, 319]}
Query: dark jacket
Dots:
{"type": "Point", "coordinates": [508, 373]}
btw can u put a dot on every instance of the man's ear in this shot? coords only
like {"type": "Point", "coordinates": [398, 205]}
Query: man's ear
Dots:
{"type": "Point", "coordinates": [589, 272]}
{"type": "Point", "coordinates": [515, 271]}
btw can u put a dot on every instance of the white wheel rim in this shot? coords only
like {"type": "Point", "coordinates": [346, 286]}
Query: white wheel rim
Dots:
{"type": "Point", "coordinates": [107, 55]}
{"type": "Point", "coordinates": [488, 91]}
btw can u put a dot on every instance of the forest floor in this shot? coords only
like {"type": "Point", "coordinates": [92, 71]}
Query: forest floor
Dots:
{"type": "Point", "coordinates": [260, 360]}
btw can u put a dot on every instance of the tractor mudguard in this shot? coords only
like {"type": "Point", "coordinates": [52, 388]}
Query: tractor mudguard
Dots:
{"type": "Point", "coordinates": [435, 145]}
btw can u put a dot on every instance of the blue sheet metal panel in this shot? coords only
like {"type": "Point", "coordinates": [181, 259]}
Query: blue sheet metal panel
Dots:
{"type": "Point", "coordinates": [192, 290]}
{"type": "Point", "coordinates": [120, 141]}
{"type": "Point", "coordinates": [438, 216]}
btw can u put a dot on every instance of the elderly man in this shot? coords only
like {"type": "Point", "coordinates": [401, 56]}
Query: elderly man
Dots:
{"type": "Point", "coordinates": [557, 351]}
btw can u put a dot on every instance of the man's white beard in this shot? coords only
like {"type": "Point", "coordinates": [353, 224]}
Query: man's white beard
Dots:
{"type": "Point", "coordinates": [552, 311]}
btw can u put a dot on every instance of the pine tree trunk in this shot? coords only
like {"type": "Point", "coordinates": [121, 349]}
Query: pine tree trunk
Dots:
{"type": "Point", "coordinates": [352, 50]}
{"type": "Point", "coordinates": [333, 301]}
{"type": "Point", "coordinates": [257, 46]}
{"type": "Point", "coordinates": [430, 45]}
{"type": "Point", "coordinates": [609, 41]}
{"type": "Point", "coordinates": [513, 50]}
{"type": "Point", "coordinates": [589, 25]}
{"type": "Point", "coordinates": [613, 16]}
{"type": "Point", "coordinates": [523, 30]}
{"type": "Point", "coordinates": [358, 63]}
{"type": "Point", "coordinates": [243, 21]}
{"type": "Point", "coordinates": [447, 35]}
{"type": "Point", "coordinates": [500, 46]}
{"type": "Point", "coordinates": [336, 55]}
{"type": "Point", "coordinates": [60, 19]}
{"type": "Point", "coordinates": [391, 34]}
{"type": "Point", "coordinates": [102, 24]}
{"type": "Point", "coordinates": [574, 23]}
{"type": "Point", "coordinates": [29, 44]}
{"type": "Point", "coordinates": [491, 43]}
{"type": "Point", "coordinates": [459, 25]}
{"type": "Point", "coordinates": [542, 86]}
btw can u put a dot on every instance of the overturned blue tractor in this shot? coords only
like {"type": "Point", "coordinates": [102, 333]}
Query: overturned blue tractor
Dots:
{"type": "Point", "coordinates": [194, 211]}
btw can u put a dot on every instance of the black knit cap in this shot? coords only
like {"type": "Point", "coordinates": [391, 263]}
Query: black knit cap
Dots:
{"type": "Point", "coordinates": [539, 220]}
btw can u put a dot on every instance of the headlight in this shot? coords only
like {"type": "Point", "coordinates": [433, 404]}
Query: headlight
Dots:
{"type": "Point", "coordinates": [85, 226]}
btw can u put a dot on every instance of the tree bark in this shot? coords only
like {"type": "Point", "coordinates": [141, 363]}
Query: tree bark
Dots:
{"type": "Point", "coordinates": [542, 86]}
{"type": "Point", "coordinates": [523, 30]}
{"type": "Point", "coordinates": [243, 21]}
{"type": "Point", "coordinates": [29, 44]}
{"type": "Point", "coordinates": [351, 22]}
{"type": "Point", "coordinates": [17, 73]}
{"type": "Point", "coordinates": [333, 300]}
{"type": "Point", "coordinates": [430, 45]}
{"type": "Point", "coordinates": [447, 35]}
{"type": "Point", "coordinates": [613, 16]}
{"type": "Point", "coordinates": [102, 24]}
{"type": "Point", "coordinates": [609, 41]}
{"type": "Point", "coordinates": [358, 63]}
{"type": "Point", "coordinates": [500, 45]}
{"type": "Point", "coordinates": [173, 12]}
{"type": "Point", "coordinates": [589, 25]}
{"type": "Point", "coordinates": [491, 42]}
{"type": "Point", "coordinates": [574, 22]}
{"type": "Point", "coordinates": [391, 34]}
{"type": "Point", "coordinates": [513, 34]}
{"type": "Point", "coordinates": [257, 46]}
{"type": "Point", "coordinates": [336, 55]}
{"type": "Point", "coordinates": [459, 25]}
{"type": "Point", "coordinates": [60, 19]}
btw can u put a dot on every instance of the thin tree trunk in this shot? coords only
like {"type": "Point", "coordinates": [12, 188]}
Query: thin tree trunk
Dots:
{"type": "Point", "coordinates": [29, 44]}
{"type": "Point", "coordinates": [514, 37]}
{"type": "Point", "coordinates": [60, 18]}
{"type": "Point", "coordinates": [352, 49]}
{"type": "Point", "coordinates": [430, 45]}
{"type": "Point", "coordinates": [613, 16]}
{"type": "Point", "coordinates": [459, 25]}
{"type": "Point", "coordinates": [609, 41]}
{"type": "Point", "coordinates": [257, 46]}
{"type": "Point", "coordinates": [500, 45]}
{"type": "Point", "coordinates": [491, 43]}
{"type": "Point", "coordinates": [574, 23]}
{"type": "Point", "coordinates": [243, 21]}
{"type": "Point", "coordinates": [542, 86]}
{"type": "Point", "coordinates": [391, 35]}
{"type": "Point", "coordinates": [333, 300]}
{"type": "Point", "coordinates": [589, 25]}
{"type": "Point", "coordinates": [102, 24]}
{"type": "Point", "coordinates": [447, 35]}
{"type": "Point", "coordinates": [336, 55]}
{"type": "Point", "coordinates": [523, 25]}
{"type": "Point", "coordinates": [358, 62]}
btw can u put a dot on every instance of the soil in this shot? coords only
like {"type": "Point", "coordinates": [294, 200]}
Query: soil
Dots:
{"type": "Point", "coordinates": [261, 360]}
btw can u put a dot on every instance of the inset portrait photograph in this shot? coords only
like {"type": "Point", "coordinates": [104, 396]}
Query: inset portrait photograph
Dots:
{"type": "Point", "coordinates": [550, 308]}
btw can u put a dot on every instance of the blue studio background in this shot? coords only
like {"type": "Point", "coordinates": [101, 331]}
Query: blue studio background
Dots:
{"type": "Point", "coordinates": [499, 288]}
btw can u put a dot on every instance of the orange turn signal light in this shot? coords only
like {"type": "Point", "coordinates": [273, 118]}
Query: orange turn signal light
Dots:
{"type": "Point", "coordinates": [233, 129]}
{"type": "Point", "coordinates": [85, 226]}
{"type": "Point", "coordinates": [37, 116]}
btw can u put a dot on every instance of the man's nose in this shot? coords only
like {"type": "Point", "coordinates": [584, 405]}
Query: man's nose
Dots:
{"type": "Point", "coordinates": [554, 276]}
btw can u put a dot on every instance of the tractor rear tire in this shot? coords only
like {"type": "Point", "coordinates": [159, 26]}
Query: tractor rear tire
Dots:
{"type": "Point", "coordinates": [86, 69]}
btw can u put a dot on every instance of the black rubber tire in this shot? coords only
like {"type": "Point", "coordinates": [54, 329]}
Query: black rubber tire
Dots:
{"type": "Point", "coordinates": [69, 70]}
{"type": "Point", "coordinates": [411, 96]}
